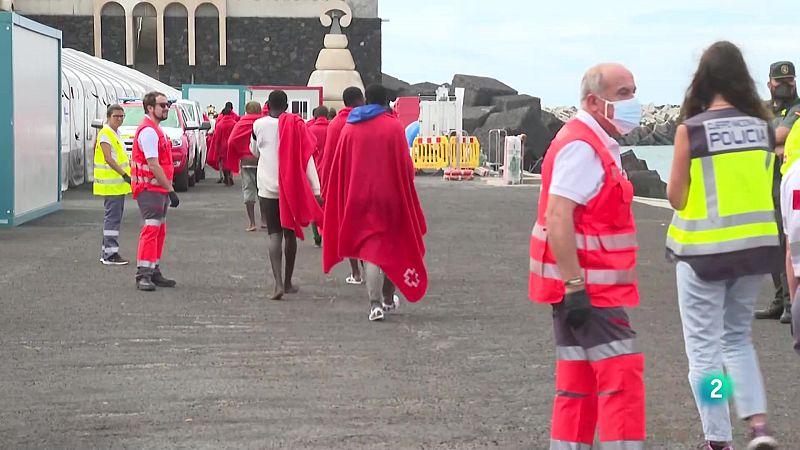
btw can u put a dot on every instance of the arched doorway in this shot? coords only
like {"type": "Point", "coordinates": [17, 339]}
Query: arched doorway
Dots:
{"type": "Point", "coordinates": [176, 44]}
{"type": "Point", "coordinates": [207, 19]}
{"type": "Point", "coordinates": [112, 23]}
{"type": "Point", "coordinates": [145, 40]}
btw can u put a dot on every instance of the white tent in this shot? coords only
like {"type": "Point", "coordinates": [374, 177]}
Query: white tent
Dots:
{"type": "Point", "coordinates": [88, 86]}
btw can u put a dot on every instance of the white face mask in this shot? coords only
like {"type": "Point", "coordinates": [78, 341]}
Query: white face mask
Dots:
{"type": "Point", "coordinates": [627, 114]}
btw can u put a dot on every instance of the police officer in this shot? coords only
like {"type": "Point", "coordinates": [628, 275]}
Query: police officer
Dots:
{"type": "Point", "coordinates": [785, 104]}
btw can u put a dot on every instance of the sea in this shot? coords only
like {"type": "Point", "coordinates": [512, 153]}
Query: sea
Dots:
{"type": "Point", "coordinates": [658, 157]}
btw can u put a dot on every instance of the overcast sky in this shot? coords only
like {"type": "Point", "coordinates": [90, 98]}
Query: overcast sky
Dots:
{"type": "Point", "coordinates": [543, 48]}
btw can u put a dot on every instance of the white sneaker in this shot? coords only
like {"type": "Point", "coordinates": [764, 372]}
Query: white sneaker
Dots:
{"type": "Point", "coordinates": [392, 307]}
{"type": "Point", "coordinates": [376, 313]}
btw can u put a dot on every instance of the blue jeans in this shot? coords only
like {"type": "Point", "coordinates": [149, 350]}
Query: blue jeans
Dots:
{"type": "Point", "coordinates": [717, 318]}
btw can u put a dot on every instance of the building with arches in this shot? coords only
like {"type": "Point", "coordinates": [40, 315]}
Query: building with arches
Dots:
{"type": "Point", "coordinates": [250, 42]}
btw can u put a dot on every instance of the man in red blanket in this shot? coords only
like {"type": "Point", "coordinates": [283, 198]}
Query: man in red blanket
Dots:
{"type": "Point", "coordinates": [319, 128]}
{"type": "Point", "coordinates": [288, 185]}
{"type": "Point", "coordinates": [222, 131]}
{"type": "Point", "coordinates": [239, 156]}
{"type": "Point", "coordinates": [372, 212]}
{"type": "Point", "coordinates": [353, 98]}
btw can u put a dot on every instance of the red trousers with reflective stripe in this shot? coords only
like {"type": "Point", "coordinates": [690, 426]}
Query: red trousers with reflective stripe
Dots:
{"type": "Point", "coordinates": [599, 380]}
{"type": "Point", "coordinates": [153, 208]}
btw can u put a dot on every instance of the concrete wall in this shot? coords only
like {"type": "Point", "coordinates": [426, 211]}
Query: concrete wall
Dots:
{"type": "Point", "coordinates": [261, 50]}
{"type": "Point", "coordinates": [236, 8]}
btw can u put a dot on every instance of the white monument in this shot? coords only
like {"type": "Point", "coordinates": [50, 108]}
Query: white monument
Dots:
{"type": "Point", "coordinates": [336, 69]}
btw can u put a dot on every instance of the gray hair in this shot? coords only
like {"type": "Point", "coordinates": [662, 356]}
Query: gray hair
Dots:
{"type": "Point", "coordinates": [592, 83]}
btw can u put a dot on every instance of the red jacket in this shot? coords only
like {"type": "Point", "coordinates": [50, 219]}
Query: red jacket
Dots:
{"type": "Point", "coordinates": [142, 178]}
{"type": "Point", "coordinates": [604, 228]}
{"type": "Point", "coordinates": [320, 130]}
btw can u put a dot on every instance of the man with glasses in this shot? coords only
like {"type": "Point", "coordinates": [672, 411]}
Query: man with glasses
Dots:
{"type": "Point", "coordinates": [152, 189]}
{"type": "Point", "coordinates": [112, 182]}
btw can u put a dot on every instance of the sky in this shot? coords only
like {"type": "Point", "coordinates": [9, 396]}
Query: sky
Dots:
{"type": "Point", "coordinates": [543, 48]}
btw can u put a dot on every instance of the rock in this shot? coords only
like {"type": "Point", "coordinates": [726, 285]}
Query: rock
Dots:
{"type": "Point", "coordinates": [551, 122]}
{"type": "Point", "coordinates": [479, 91]}
{"type": "Point", "coordinates": [475, 116]}
{"type": "Point", "coordinates": [394, 86]}
{"type": "Point", "coordinates": [647, 183]}
{"type": "Point", "coordinates": [519, 121]}
{"type": "Point", "coordinates": [509, 102]}
{"type": "Point", "coordinates": [425, 88]}
{"type": "Point", "coordinates": [630, 163]}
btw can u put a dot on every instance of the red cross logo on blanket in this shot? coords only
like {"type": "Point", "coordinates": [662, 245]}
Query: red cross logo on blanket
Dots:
{"type": "Point", "coordinates": [411, 277]}
{"type": "Point", "coordinates": [796, 200]}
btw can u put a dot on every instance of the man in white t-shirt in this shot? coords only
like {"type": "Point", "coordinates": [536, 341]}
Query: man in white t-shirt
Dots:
{"type": "Point", "coordinates": [790, 211]}
{"type": "Point", "coordinates": [265, 145]}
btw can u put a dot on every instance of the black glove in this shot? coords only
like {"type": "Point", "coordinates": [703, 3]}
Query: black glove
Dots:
{"type": "Point", "coordinates": [577, 307]}
{"type": "Point", "coordinates": [126, 178]}
{"type": "Point", "coordinates": [174, 201]}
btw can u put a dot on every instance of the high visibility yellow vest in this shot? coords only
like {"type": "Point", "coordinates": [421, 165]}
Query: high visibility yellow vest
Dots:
{"type": "Point", "coordinates": [729, 206]}
{"type": "Point", "coordinates": [791, 148]}
{"type": "Point", "coordinates": [106, 180]}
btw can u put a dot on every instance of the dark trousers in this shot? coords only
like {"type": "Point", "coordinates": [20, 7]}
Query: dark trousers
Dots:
{"type": "Point", "coordinates": [781, 298]}
{"type": "Point", "coordinates": [114, 206]}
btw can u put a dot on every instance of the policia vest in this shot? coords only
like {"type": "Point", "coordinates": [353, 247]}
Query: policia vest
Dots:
{"type": "Point", "coordinates": [728, 227]}
{"type": "Point", "coordinates": [107, 181]}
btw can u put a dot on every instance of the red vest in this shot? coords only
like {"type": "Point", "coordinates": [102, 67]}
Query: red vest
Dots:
{"type": "Point", "coordinates": [604, 228]}
{"type": "Point", "coordinates": [142, 178]}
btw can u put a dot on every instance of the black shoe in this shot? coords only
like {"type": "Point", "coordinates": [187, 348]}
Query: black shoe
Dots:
{"type": "Point", "coordinates": [786, 317]}
{"type": "Point", "coordinates": [160, 281]}
{"type": "Point", "coordinates": [773, 312]}
{"type": "Point", "coordinates": [145, 284]}
{"type": "Point", "coordinates": [114, 260]}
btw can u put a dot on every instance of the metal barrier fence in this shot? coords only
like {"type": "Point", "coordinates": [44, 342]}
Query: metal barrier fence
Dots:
{"type": "Point", "coordinates": [430, 152]}
{"type": "Point", "coordinates": [442, 152]}
{"type": "Point", "coordinates": [470, 155]}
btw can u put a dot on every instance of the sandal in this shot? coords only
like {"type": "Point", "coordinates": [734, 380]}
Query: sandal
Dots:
{"type": "Point", "coordinates": [352, 280]}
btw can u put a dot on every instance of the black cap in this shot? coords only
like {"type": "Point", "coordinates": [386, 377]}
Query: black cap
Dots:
{"type": "Point", "coordinates": [781, 69]}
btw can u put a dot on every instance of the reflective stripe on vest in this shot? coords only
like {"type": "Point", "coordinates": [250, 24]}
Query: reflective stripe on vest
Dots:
{"type": "Point", "coordinates": [593, 276]}
{"type": "Point", "coordinates": [107, 181]}
{"type": "Point", "coordinates": [716, 233]}
{"type": "Point", "coordinates": [588, 242]}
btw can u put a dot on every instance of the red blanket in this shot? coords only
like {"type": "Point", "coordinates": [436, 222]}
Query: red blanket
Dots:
{"type": "Point", "coordinates": [222, 131]}
{"type": "Point", "coordinates": [298, 205]}
{"type": "Point", "coordinates": [331, 141]}
{"type": "Point", "coordinates": [371, 210]}
{"type": "Point", "coordinates": [239, 142]}
{"type": "Point", "coordinates": [211, 152]}
{"type": "Point", "coordinates": [320, 130]}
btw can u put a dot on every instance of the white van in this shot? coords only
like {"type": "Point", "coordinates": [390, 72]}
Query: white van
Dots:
{"type": "Point", "coordinates": [197, 129]}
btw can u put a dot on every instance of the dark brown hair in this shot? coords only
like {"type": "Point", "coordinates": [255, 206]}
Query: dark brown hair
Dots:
{"type": "Point", "coordinates": [722, 71]}
{"type": "Point", "coordinates": [150, 99]}
{"type": "Point", "coordinates": [112, 108]}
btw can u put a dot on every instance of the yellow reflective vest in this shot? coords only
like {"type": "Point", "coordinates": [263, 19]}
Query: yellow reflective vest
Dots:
{"type": "Point", "coordinates": [791, 148]}
{"type": "Point", "coordinates": [729, 206]}
{"type": "Point", "coordinates": [106, 180]}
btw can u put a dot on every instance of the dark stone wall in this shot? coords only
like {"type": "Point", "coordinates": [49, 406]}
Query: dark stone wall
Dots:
{"type": "Point", "coordinates": [77, 32]}
{"type": "Point", "coordinates": [261, 51]}
{"type": "Point", "coordinates": [113, 41]}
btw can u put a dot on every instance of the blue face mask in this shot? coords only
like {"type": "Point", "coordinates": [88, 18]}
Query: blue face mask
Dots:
{"type": "Point", "coordinates": [627, 114]}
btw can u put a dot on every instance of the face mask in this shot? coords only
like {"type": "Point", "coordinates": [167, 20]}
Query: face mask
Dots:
{"type": "Point", "coordinates": [784, 92]}
{"type": "Point", "coordinates": [627, 114]}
